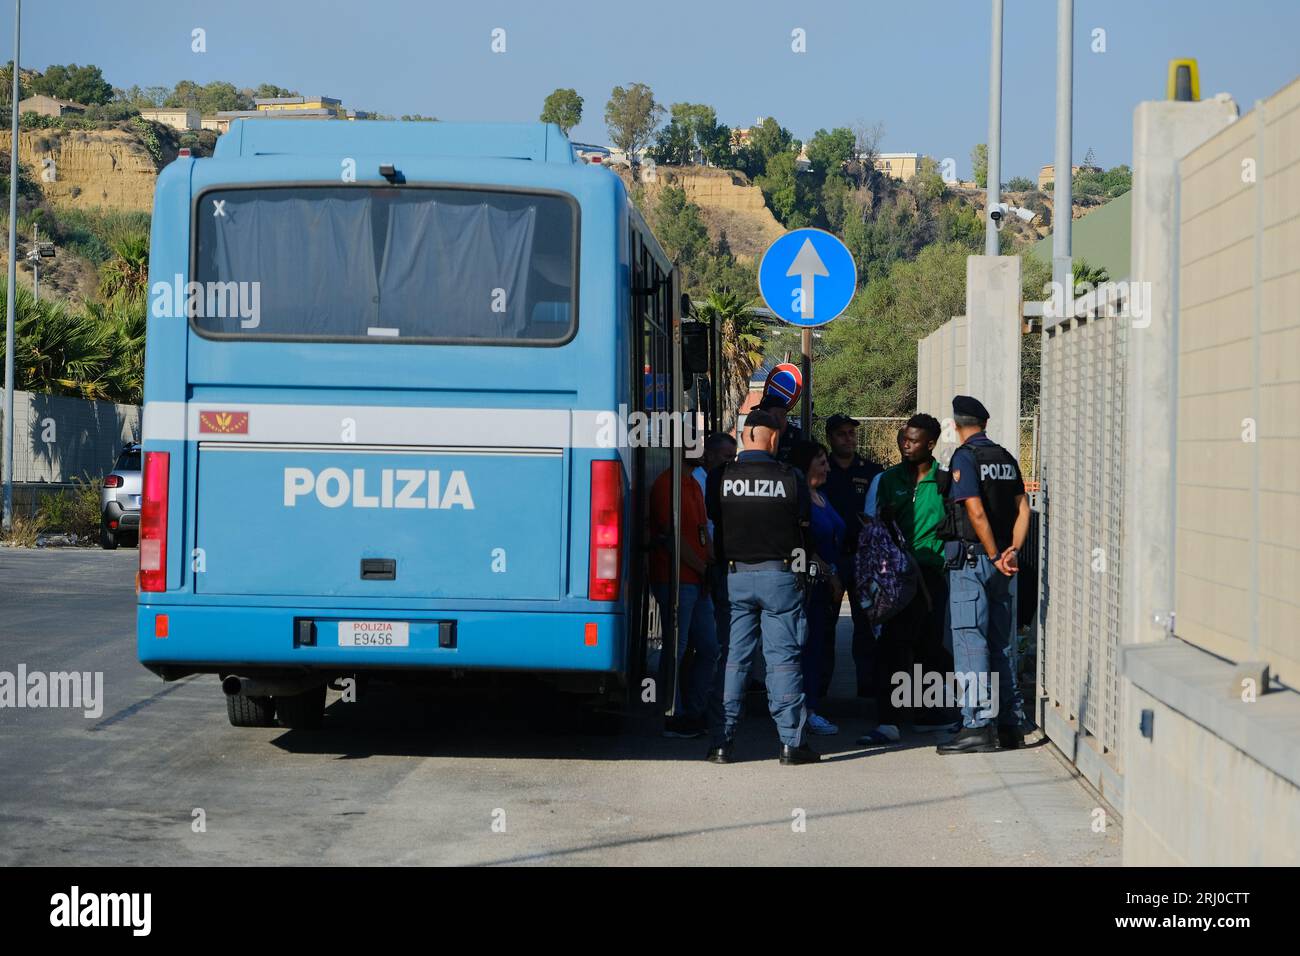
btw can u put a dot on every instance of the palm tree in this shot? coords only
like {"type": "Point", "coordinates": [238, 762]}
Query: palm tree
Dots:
{"type": "Point", "coordinates": [740, 342]}
{"type": "Point", "coordinates": [95, 354]}
{"type": "Point", "coordinates": [1093, 276]}
{"type": "Point", "coordinates": [126, 275]}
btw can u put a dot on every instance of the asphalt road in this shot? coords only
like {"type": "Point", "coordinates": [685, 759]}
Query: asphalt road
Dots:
{"type": "Point", "coordinates": [399, 777]}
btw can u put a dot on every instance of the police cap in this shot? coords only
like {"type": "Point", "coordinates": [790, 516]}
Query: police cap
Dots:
{"type": "Point", "coordinates": [970, 407]}
{"type": "Point", "coordinates": [836, 420]}
{"type": "Point", "coordinates": [771, 401]}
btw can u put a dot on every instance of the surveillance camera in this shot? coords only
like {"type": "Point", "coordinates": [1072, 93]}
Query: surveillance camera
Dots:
{"type": "Point", "coordinates": [998, 214]}
{"type": "Point", "coordinates": [1026, 215]}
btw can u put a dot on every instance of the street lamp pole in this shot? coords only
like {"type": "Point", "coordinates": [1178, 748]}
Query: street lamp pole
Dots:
{"type": "Point", "coordinates": [993, 174]}
{"type": "Point", "coordinates": [7, 517]}
{"type": "Point", "coordinates": [1062, 200]}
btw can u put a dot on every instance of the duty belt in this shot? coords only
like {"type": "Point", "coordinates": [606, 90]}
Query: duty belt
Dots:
{"type": "Point", "coordinates": [759, 565]}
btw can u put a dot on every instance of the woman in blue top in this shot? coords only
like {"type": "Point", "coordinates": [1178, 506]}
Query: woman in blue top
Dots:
{"type": "Point", "coordinates": [828, 533]}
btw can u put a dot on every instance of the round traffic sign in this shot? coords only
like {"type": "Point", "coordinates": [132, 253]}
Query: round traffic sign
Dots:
{"type": "Point", "coordinates": [807, 277]}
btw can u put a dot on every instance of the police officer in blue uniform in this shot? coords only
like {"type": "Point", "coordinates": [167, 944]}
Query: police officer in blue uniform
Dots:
{"type": "Point", "coordinates": [761, 509]}
{"type": "Point", "coordinates": [985, 526]}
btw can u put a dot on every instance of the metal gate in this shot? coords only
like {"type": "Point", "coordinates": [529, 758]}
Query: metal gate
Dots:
{"type": "Point", "coordinates": [1081, 513]}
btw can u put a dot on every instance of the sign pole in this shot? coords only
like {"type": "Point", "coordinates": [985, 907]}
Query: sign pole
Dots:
{"type": "Point", "coordinates": [807, 278]}
{"type": "Point", "coordinates": [805, 400]}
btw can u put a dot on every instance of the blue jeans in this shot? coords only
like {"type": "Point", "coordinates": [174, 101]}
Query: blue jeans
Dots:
{"type": "Point", "coordinates": [695, 628]}
{"type": "Point", "coordinates": [981, 603]}
{"type": "Point", "coordinates": [722, 618]}
{"type": "Point", "coordinates": [766, 605]}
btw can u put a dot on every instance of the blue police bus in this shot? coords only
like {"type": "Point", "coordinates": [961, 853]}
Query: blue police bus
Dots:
{"type": "Point", "coordinates": [387, 370]}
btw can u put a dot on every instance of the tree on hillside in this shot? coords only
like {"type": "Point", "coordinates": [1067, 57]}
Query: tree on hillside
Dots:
{"type": "Point", "coordinates": [7, 83]}
{"type": "Point", "coordinates": [563, 108]}
{"type": "Point", "coordinates": [631, 115]}
{"type": "Point", "coordinates": [979, 160]}
{"type": "Point", "coordinates": [693, 128]}
{"type": "Point", "coordinates": [1019, 184]}
{"type": "Point", "coordinates": [767, 139]}
{"type": "Point", "coordinates": [81, 84]}
{"type": "Point", "coordinates": [1107, 184]}
{"type": "Point", "coordinates": [210, 98]}
{"type": "Point", "coordinates": [268, 91]}
{"type": "Point", "coordinates": [678, 226]}
{"type": "Point", "coordinates": [126, 275]}
{"type": "Point", "coordinates": [144, 98]}
{"type": "Point", "coordinates": [829, 152]}
{"type": "Point", "coordinates": [789, 195]}
{"type": "Point", "coordinates": [927, 182]}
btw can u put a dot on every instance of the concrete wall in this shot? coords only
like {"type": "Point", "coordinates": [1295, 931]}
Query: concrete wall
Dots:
{"type": "Point", "coordinates": [57, 439]}
{"type": "Point", "coordinates": [977, 354]}
{"type": "Point", "coordinates": [995, 312]}
{"type": "Point", "coordinates": [1238, 500]}
{"type": "Point", "coordinates": [941, 374]}
{"type": "Point", "coordinates": [1163, 132]}
{"type": "Point", "coordinates": [1212, 775]}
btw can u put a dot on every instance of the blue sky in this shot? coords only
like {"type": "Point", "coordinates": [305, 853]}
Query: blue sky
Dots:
{"type": "Point", "coordinates": [919, 67]}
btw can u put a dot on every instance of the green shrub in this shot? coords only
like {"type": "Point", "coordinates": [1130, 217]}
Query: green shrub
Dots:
{"type": "Point", "coordinates": [75, 510]}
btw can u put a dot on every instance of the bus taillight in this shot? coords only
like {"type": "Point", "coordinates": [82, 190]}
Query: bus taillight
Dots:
{"type": "Point", "coordinates": [606, 530]}
{"type": "Point", "coordinates": [153, 522]}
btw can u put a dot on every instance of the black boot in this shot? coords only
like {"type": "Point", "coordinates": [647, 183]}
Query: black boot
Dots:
{"type": "Point", "coordinates": [797, 755]}
{"type": "Point", "coordinates": [971, 740]}
{"type": "Point", "coordinates": [720, 754]}
{"type": "Point", "coordinates": [1011, 738]}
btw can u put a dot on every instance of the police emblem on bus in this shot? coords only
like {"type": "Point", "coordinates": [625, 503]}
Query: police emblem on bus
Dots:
{"type": "Point", "coordinates": [396, 488]}
{"type": "Point", "coordinates": [223, 423]}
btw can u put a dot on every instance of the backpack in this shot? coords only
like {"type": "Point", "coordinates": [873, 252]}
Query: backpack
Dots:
{"type": "Point", "coordinates": [886, 574]}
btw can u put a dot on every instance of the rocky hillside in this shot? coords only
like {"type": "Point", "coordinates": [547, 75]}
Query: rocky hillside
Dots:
{"type": "Point", "coordinates": [728, 202]}
{"type": "Point", "coordinates": [104, 168]}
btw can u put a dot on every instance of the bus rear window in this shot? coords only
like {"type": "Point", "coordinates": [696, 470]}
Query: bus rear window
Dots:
{"type": "Point", "coordinates": [376, 264]}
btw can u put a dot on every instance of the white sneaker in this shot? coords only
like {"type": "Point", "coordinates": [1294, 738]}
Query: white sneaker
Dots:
{"type": "Point", "coordinates": [821, 726]}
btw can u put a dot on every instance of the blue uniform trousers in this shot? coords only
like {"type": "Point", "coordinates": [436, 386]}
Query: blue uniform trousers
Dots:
{"type": "Point", "coordinates": [981, 604]}
{"type": "Point", "coordinates": [767, 605]}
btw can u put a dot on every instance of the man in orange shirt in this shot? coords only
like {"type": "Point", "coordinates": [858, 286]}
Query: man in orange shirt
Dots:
{"type": "Point", "coordinates": [695, 623]}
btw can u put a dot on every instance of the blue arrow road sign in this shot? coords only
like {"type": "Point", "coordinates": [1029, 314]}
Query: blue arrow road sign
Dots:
{"type": "Point", "coordinates": [807, 277]}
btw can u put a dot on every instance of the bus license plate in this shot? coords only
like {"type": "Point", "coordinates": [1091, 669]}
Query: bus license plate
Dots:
{"type": "Point", "coordinates": [374, 634]}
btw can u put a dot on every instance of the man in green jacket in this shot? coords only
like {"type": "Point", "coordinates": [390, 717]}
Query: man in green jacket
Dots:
{"type": "Point", "coordinates": [911, 494]}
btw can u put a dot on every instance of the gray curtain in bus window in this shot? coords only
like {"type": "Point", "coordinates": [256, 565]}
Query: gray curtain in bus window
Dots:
{"type": "Point", "coordinates": [314, 259]}
{"type": "Point", "coordinates": [457, 271]}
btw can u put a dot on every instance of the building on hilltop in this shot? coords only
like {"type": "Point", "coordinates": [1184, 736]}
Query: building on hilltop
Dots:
{"type": "Point", "coordinates": [900, 166]}
{"type": "Point", "coordinates": [295, 107]}
{"type": "Point", "coordinates": [175, 117]}
{"type": "Point", "coordinates": [44, 105]}
{"type": "Point", "coordinates": [1047, 175]}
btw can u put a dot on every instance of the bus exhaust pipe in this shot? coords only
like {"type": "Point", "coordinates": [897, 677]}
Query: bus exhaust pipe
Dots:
{"type": "Point", "coordinates": [233, 685]}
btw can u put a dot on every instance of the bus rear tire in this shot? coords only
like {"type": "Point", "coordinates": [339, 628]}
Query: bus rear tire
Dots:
{"type": "Point", "coordinates": [305, 711]}
{"type": "Point", "coordinates": [245, 711]}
